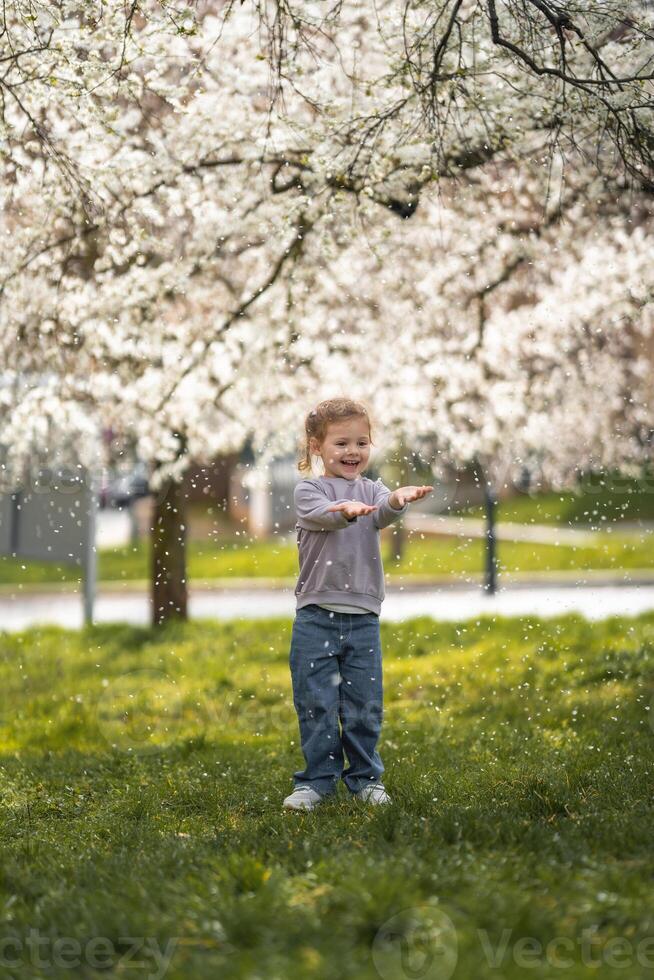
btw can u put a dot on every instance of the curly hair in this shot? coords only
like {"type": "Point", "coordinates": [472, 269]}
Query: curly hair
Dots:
{"type": "Point", "coordinates": [319, 419]}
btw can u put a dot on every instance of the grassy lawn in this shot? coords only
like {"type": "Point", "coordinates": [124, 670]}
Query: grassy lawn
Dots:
{"type": "Point", "coordinates": [599, 501]}
{"type": "Point", "coordinates": [143, 773]}
{"type": "Point", "coordinates": [462, 558]}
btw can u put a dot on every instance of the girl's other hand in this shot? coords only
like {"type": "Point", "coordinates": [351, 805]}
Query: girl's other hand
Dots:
{"type": "Point", "coordinates": [404, 495]}
{"type": "Point", "coordinates": [353, 508]}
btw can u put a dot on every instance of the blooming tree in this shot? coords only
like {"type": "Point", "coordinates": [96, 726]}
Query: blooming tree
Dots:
{"type": "Point", "coordinates": [145, 230]}
{"type": "Point", "coordinates": [185, 262]}
{"type": "Point", "coordinates": [514, 333]}
{"type": "Point", "coordinates": [491, 331]}
{"type": "Point", "coordinates": [407, 91]}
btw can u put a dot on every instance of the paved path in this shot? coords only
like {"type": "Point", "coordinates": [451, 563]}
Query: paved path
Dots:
{"type": "Point", "coordinates": [446, 603]}
{"type": "Point", "coordinates": [472, 527]}
{"type": "Point", "coordinates": [114, 529]}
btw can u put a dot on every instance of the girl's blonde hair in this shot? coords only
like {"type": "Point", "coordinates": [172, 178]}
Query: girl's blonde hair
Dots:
{"type": "Point", "coordinates": [320, 418]}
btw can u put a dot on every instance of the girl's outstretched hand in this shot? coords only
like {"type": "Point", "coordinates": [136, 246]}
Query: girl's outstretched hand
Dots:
{"type": "Point", "coordinates": [404, 495]}
{"type": "Point", "coordinates": [354, 508]}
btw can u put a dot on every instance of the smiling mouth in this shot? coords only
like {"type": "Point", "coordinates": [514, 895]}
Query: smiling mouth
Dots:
{"type": "Point", "coordinates": [351, 465]}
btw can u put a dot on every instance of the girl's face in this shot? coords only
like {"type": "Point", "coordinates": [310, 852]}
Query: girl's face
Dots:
{"type": "Point", "coordinates": [345, 450]}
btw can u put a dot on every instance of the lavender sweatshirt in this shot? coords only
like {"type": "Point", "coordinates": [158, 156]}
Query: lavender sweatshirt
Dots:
{"type": "Point", "coordinates": [340, 560]}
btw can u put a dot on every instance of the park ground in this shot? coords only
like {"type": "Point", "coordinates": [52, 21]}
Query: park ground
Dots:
{"type": "Point", "coordinates": [220, 551]}
{"type": "Point", "coordinates": [142, 774]}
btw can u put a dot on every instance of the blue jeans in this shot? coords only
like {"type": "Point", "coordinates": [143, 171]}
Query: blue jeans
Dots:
{"type": "Point", "coordinates": [336, 670]}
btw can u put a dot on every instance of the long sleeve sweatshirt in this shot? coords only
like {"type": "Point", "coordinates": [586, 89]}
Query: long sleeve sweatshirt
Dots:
{"type": "Point", "coordinates": [340, 560]}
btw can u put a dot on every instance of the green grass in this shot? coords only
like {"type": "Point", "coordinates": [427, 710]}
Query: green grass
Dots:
{"type": "Point", "coordinates": [600, 500]}
{"type": "Point", "coordinates": [461, 558]}
{"type": "Point", "coordinates": [143, 773]}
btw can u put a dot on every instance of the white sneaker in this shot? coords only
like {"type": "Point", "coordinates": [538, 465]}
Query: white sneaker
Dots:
{"type": "Point", "coordinates": [303, 798]}
{"type": "Point", "coordinates": [375, 793]}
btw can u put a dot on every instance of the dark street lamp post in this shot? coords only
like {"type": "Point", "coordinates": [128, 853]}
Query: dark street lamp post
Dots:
{"type": "Point", "coordinates": [490, 504]}
{"type": "Point", "coordinates": [490, 579]}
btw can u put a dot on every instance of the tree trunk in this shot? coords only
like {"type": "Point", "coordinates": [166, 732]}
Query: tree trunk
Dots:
{"type": "Point", "coordinates": [398, 471]}
{"type": "Point", "coordinates": [398, 540]}
{"type": "Point", "coordinates": [168, 555]}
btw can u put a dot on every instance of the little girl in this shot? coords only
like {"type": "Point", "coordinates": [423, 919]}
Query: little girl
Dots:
{"type": "Point", "coordinates": [336, 657]}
